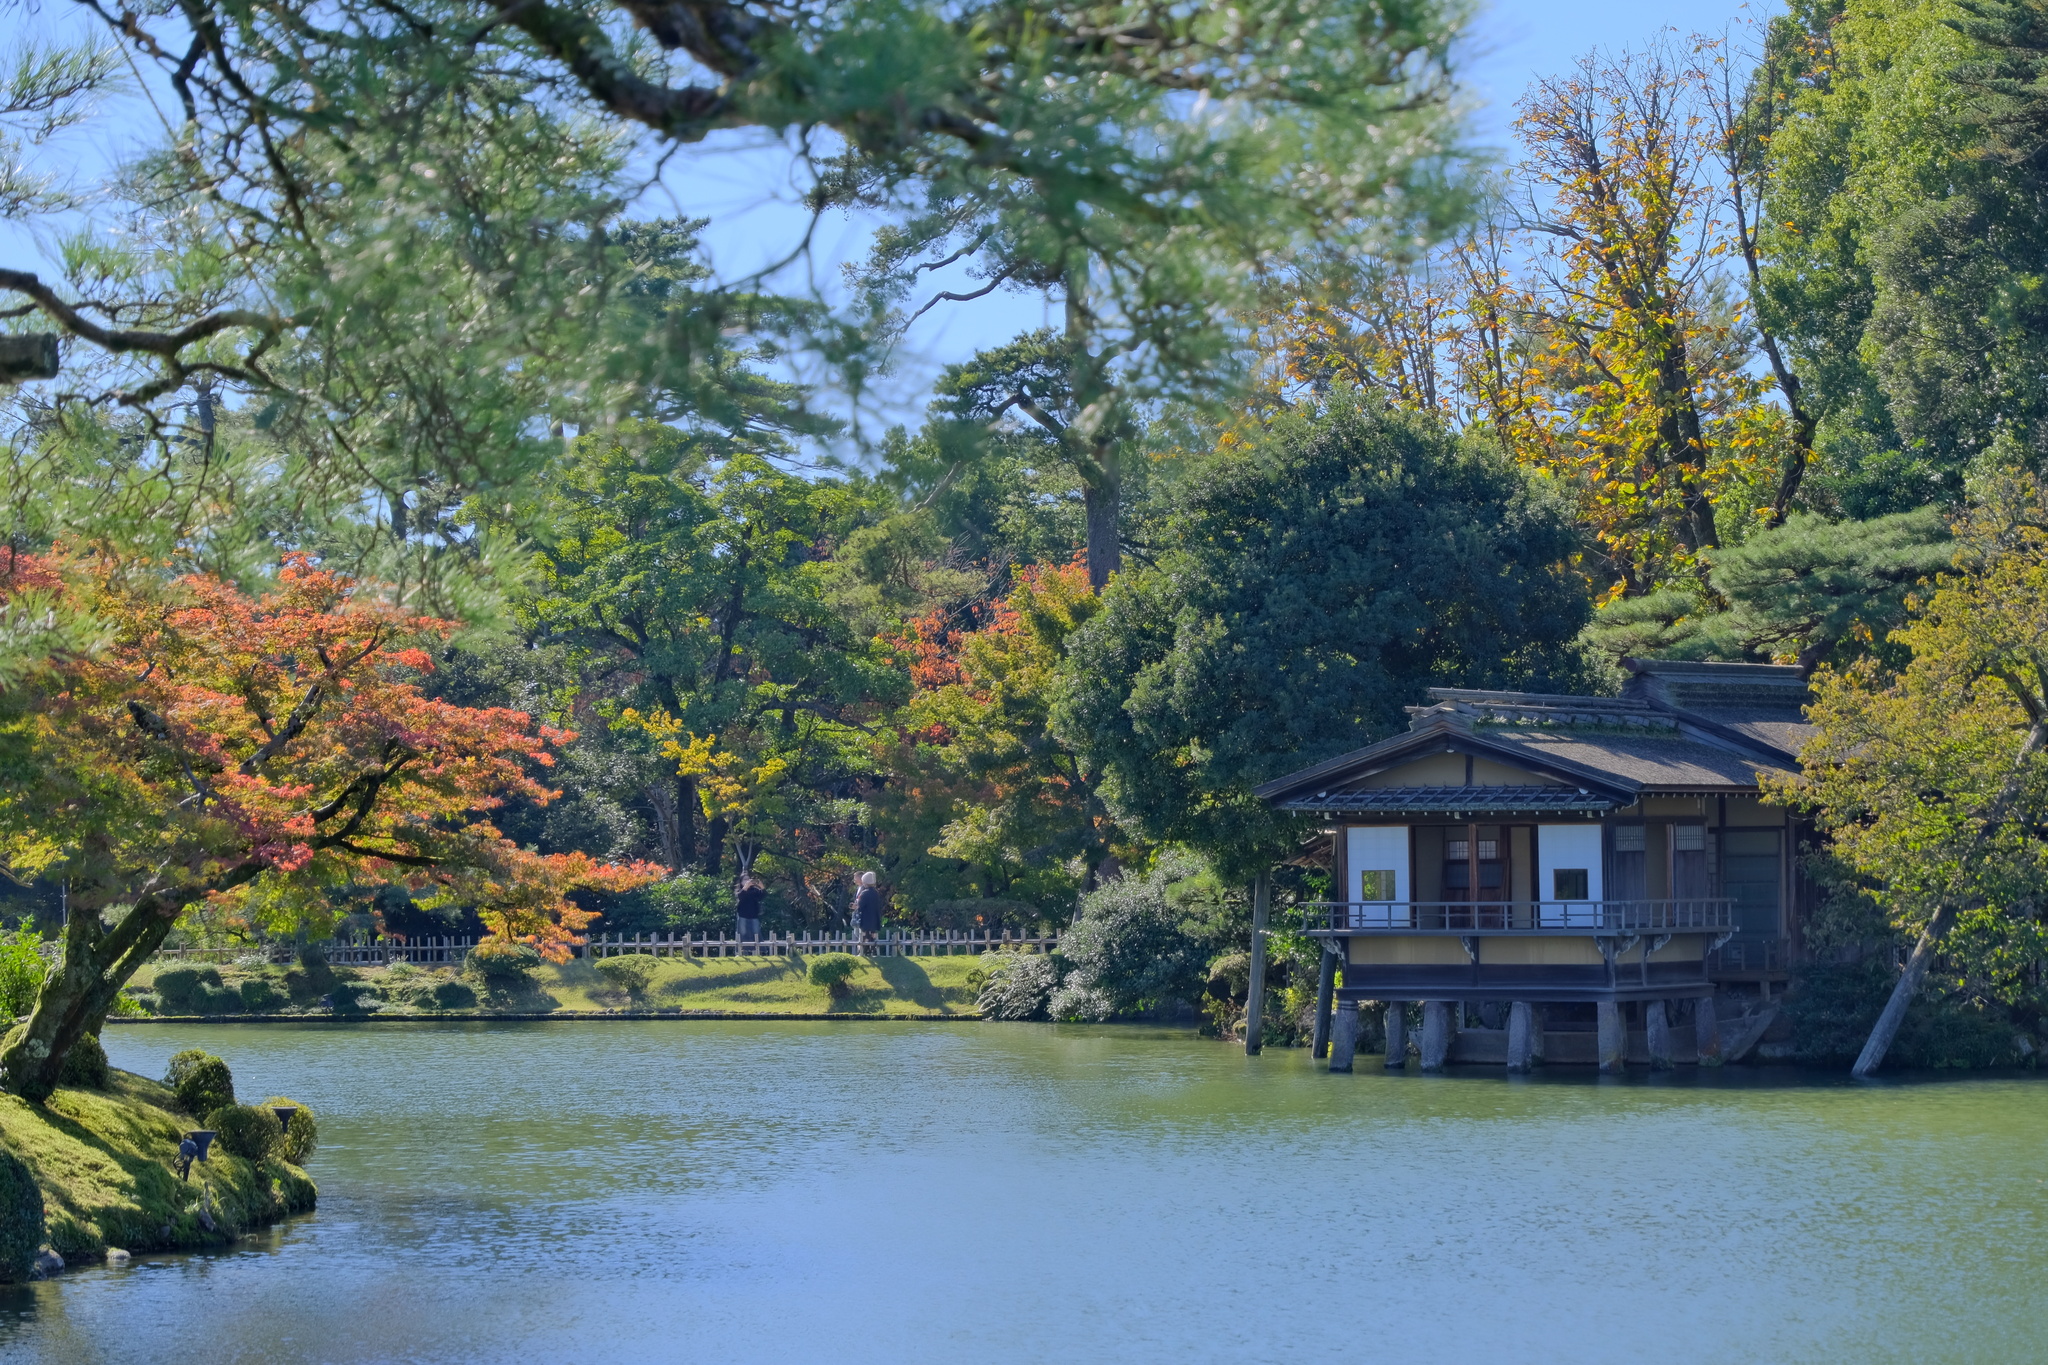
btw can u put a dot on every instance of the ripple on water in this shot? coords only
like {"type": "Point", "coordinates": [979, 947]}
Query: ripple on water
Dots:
{"type": "Point", "coordinates": [789, 1193]}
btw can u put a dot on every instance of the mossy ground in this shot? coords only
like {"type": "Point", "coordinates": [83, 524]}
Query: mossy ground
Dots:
{"type": "Point", "coordinates": [886, 986]}
{"type": "Point", "coordinates": [103, 1159]}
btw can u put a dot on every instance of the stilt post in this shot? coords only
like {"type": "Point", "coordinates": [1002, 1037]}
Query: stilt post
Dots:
{"type": "Point", "coordinates": [1397, 1034]}
{"type": "Point", "coordinates": [1657, 1025]}
{"type": "Point", "coordinates": [1255, 998]}
{"type": "Point", "coordinates": [1344, 1045]}
{"type": "Point", "coordinates": [1613, 1038]}
{"type": "Point", "coordinates": [1521, 1037]}
{"type": "Point", "coordinates": [1436, 1034]}
{"type": "Point", "coordinates": [1706, 1031]}
{"type": "Point", "coordinates": [1326, 987]}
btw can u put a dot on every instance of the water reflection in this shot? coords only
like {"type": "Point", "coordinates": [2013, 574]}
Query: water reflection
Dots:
{"type": "Point", "coordinates": [840, 1193]}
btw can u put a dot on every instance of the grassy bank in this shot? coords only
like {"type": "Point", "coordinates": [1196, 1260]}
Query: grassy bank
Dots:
{"type": "Point", "coordinates": [887, 987]}
{"type": "Point", "coordinates": [103, 1160]}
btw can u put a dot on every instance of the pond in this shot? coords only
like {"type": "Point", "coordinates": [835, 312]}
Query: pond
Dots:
{"type": "Point", "coordinates": [845, 1193]}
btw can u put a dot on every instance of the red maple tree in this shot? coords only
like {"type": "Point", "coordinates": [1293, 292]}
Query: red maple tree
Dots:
{"type": "Point", "coordinates": [221, 745]}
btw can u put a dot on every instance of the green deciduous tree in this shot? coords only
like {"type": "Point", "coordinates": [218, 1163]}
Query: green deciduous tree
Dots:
{"type": "Point", "coordinates": [1932, 782]}
{"type": "Point", "coordinates": [1321, 577]}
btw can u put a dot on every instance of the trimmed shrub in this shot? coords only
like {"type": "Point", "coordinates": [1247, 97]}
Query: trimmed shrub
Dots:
{"type": "Point", "coordinates": [21, 1219]}
{"type": "Point", "coordinates": [629, 973]}
{"type": "Point", "coordinates": [1017, 985]}
{"type": "Point", "coordinates": [1129, 952]}
{"type": "Point", "coordinates": [260, 995]}
{"type": "Point", "coordinates": [85, 1064]}
{"type": "Point", "coordinates": [244, 1130]}
{"type": "Point", "coordinates": [216, 1000]}
{"type": "Point", "coordinates": [178, 987]}
{"type": "Point", "coordinates": [354, 997]}
{"type": "Point", "coordinates": [298, 1139]}
{"type": "Point", "coordinates": [834, 972]}
{"type": "Point", "coordinates": [453, 995]}
{"type": "Point", "coordinates": [501, 965]}
{"type": "Point", "coordinates": [201, 1080]}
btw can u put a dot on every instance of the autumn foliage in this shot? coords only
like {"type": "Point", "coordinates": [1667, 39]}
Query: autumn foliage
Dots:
{"type": "Point", "coordinates": [222, 746]}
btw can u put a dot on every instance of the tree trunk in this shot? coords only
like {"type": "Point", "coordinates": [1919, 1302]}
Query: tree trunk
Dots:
{"type": "Point", "coordinates": [1326, 988]}
{"type": "Point", "coordinates": [1887, 1026]}
{"type": "Point", "coordinates": [1105, 548]}
{"type": "Point", "coordinates": [80, 990]}
{"type": "Point", "coordinates": [714, 844]}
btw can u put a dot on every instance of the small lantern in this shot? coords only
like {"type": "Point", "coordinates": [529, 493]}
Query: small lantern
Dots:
{"type": "Point", "coordinates": [204, 1138]}
{"type": "Point", "coordinates": [284, 1114]}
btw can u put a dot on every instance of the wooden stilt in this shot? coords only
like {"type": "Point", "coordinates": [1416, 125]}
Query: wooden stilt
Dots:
{"type": "Point", "coordinates": [1436, 1034]}
{"type": "Point", "coordinates": [1613, 1038]}
{"type": "Point", "coordinates": [1521, 1039]}
{"type": "Point", "coordinates": [1326, 986]}
{"type": "Point", "coordinates": [1706, 1030]}
{"type": "Point", "coordinates": [1345, 1044]}
{"type": "Point", "coordinates": [1657, 1025]}
{"type": "Point", "coordinates": [1255, 998]}
{"type": "Point", "coordinates": [1397, 1035]}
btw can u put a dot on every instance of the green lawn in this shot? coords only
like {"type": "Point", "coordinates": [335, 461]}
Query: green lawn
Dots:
{"type": "Point", "coordinates": [885, 987]}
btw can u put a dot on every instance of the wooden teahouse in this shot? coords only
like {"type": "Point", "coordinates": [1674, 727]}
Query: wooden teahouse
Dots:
{"type": "Point", "coordinates": [1578, 877]}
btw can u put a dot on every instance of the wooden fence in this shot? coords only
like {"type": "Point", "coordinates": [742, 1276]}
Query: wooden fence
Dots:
{"type": "Point", "coordinates": [431, 952]}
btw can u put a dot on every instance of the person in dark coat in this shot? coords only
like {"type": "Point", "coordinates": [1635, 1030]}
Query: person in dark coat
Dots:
{"type": "Point", "coordinates": [748, 897]}
{"type": "Point", "coordinates": [867, 907]}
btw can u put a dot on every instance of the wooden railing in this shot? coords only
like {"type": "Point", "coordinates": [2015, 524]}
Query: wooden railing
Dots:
{"type": "Point", "coordinates": [429, 952]}
{"type": "Point", "coordinates": [1509, 917]}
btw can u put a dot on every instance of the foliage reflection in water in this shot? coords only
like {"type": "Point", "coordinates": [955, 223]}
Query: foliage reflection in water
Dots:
{"type": "Point", "coordinates": [819, 1192]}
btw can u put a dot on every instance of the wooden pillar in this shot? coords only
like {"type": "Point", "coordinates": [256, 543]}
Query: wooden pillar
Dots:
{"type": "Point", "coordinates": [1344, 1045]}
{"type": "Point", "coordinates": [1521, 1040]}
{"type": "Point", "coordinates": [1706, 1027]}
{"type": "Point", "coordinates": [1255, 998]}
{"type": "Point", "coordinates": [1613, 1038]}
{"type": "Point", "coordinates": [1436, 1034]}
{"type": "Point", "coordinates": [1657, 1024]}
{"type": "Point", "coordinates": [1397, 1035]}
{"type": "Point", "coordinates": [1326, 986]}
{"type": "Point", "coordinates": [1657, 1028]}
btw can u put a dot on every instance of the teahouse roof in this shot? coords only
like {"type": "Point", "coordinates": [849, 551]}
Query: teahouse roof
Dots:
{"type": "Point", "coordinates": [1680, 729]}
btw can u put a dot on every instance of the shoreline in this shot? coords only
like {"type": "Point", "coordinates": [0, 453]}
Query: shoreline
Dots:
{"type": "Point", "coordinates": [581, 1016]}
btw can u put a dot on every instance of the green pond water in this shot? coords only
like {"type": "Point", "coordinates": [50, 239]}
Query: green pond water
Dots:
{"type": "Point", "coordinates": [739, 1192]}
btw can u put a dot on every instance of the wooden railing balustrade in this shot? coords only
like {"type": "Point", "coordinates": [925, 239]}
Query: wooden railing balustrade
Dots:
{"type": "Point", "coordinates": [432, 952]}
{"type": "Point", "coordinates": [1706, 915]}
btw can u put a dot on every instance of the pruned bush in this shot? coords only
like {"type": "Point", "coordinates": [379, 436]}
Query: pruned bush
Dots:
{"type": "Point", "coordinates": [629, 973]}
{"type": "Point", "coordinates": [834, 971]}
{"type": "Point", "coordinates": [353, 997]}
{"type": "Point", "coordinates": [85, 1064]}
{"type": "Point", "coordinates": [311, 979]}
{"type": "Point", "coordinates": [201, 1081]}
{"type": "Point", "coordinates": [1129, 953]}
{"type": "Point", "coordinates": [260, 995]}
{"type": "Point", "coordinates": [179, 987]}
{"type": "Point", "coordinates": [453, 995]}
{"type": "Point", "coordinates": [1017, 985]}
{"type": "Point", "coordinates": [297, 1138]}
{"type": "Point", "coordinates": [21, 1219]}
{"type": "Point", "coordinates": [243, 1130]}
{"type": "Point", "coordinates": [501, 965]}
{"type": "Point", "coordinates": [217, 1000]}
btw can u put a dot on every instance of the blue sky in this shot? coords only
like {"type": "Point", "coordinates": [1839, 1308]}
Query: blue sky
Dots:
{"type": "Point", "coordinates": [743, 184]}
{"type": "Point", "coordinates": [747, 193]}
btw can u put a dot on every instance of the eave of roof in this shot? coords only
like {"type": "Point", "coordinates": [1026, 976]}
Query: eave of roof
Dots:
{"type": "Point", "coordinates": [1449, 800]}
